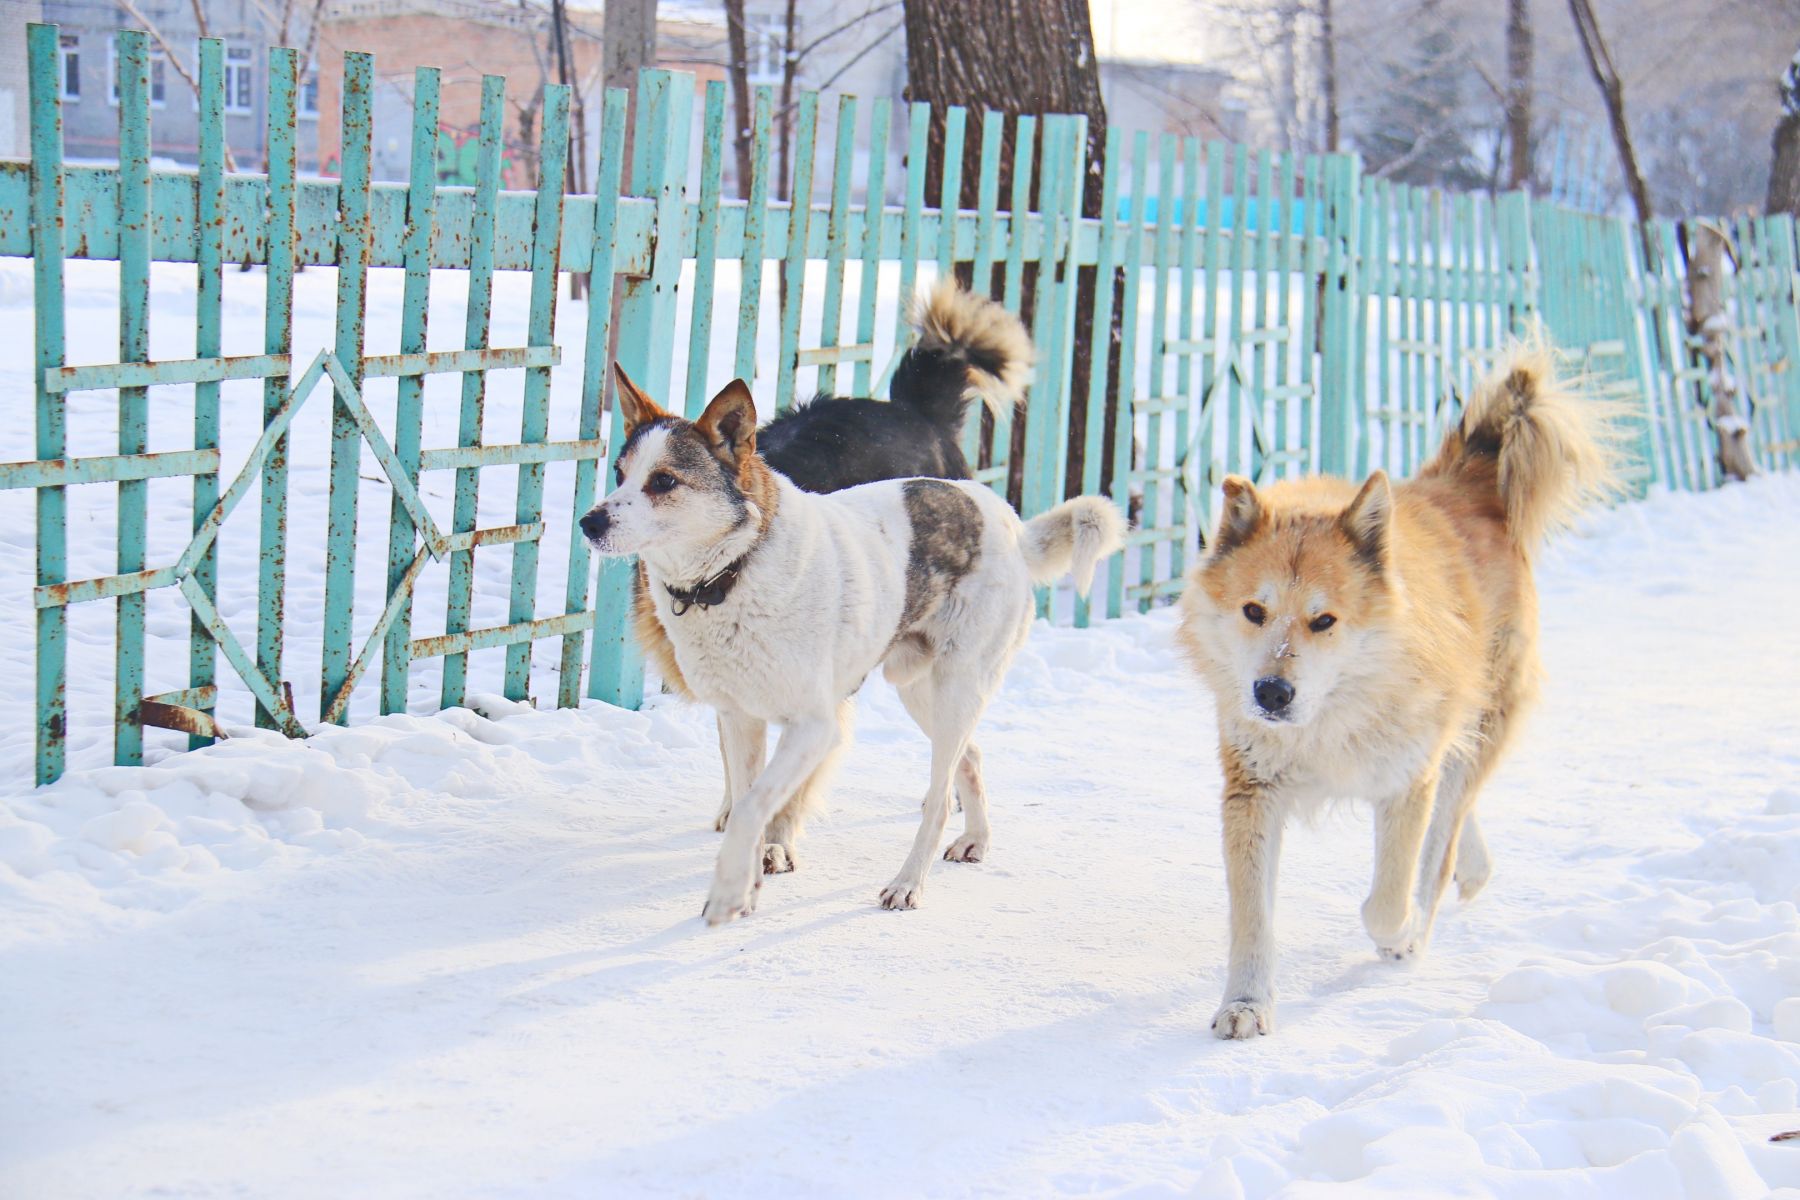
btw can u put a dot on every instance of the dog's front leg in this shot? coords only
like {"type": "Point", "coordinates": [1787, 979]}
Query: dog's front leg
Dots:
{"type": "Point", "coordinates": [1252, 837]}
{"type": "Point", "coordinates": [1400, 825]}
{"type": "Point", "coordinates": [803, 746]}
{"type": "Point", "coordinates": [743, 744]}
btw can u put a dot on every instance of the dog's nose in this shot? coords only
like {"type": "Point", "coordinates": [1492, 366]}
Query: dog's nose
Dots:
{"type": "Point", "coordinates": [1273, 693]}
{"type": "Point", "coordinates": [595, 523]}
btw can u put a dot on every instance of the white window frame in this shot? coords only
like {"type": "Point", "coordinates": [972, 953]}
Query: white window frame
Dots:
{"type": "Point", "coordinates": [240, 75]}
{"type": "Point", "coordinates": [765, 45]}
{"type": "Point", "coordinates": [68, 47]}
{"type": "Point", "coordinates": [159, 71]}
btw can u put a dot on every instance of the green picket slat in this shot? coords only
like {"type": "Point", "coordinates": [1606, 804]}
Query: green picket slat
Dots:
{"type": "Point", "coordinates": [51, 432]}
{"type": "Point", "coordinates": [881, 119]}
{"type": "Point", "coordinates": [646, 313]}
{"type": "Point", "coordinates": [278, 337]}
{"type": "Point", "coordinates": [950, 192]}
{"type": "Point", "coordinates": [594, 382]}
{"type": "Point", "coordinates": [534, 419]}
{"type": "Point", "coordinates": [706, 243]}
{"type": "Point", "coordinates": [346, 440]}
{"type": "Point", "coordinates": [1124, 428]}
{"type": "Point", "coordinates": [793, 277]}
{"type": "Point", "coordinates": [477, 314]}
{"type": "Point", "coordinates": [409, 400]}
{"type": "Point", "coordinates": [134, 403]}
{"type": "Point", "coordinates": [208, 307]}
{"type": "Point", "coordinates": [756, 216]}
{"type": "Point", "coordinates": [837, 238]}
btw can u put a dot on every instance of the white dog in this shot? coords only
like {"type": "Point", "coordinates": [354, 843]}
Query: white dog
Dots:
{"type": "Point", "coordinates": [778, 603]}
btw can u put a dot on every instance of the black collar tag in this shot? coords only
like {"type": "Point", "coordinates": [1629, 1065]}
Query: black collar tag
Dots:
{"type": "Point", "coordinates": [708, 592]}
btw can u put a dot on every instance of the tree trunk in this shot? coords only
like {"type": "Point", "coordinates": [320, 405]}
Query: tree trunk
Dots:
{"type": "Point", "coordinates": [784, 138]}
{"type": "Point", "coordinates": [1784, 165]}
{"type": "Point", "coordinates": [738, 71]}
{"type": "Point", "coordinates": [1706, 246]}
{"type": "Point", "coordinates": [1518, 93]}
{"type": "Point", "coordinates": [627, 45]}
{"type": "Point", "coordinates": [1612, 92]}
{"type": "Point", "coordinates": [1329, 75]}
{"type": "Point", "coordinates": [575, 170]}
{"type": "Point", "coordinates": [1017, 57]}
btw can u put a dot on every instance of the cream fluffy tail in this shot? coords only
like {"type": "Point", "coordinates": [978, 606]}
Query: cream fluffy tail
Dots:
{"type": "Point", "coordinates": [1553, 448]}
{"type": "Point", "coordinates": [1072, 537]}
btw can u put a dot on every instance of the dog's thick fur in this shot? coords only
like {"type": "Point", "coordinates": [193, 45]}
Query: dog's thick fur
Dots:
{"type": "Point", "coordinates": [1380, 643]}
{"type": "Point", "coordinates": [929, 579]}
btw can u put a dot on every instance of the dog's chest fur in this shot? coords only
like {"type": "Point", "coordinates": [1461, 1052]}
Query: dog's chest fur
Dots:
{"type": "Point", "coordinates": [830, 588]}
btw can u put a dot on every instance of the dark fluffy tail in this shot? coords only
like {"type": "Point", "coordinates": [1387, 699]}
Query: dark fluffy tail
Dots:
{"type": "Point", "coordinates": [1551, 449]}
{"type": "Point", "coordinates": [968, 347]}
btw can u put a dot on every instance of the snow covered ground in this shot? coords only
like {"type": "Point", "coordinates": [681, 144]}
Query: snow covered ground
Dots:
{"type": "Point", "coordinates": [459, 955]}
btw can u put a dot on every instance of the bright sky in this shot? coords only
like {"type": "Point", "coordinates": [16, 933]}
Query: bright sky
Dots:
{"type": "Point", "coordinates": [1155, 30]}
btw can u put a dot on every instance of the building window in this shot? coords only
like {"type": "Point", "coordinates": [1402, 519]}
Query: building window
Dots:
{"type": "Point", "coordinates": [68, 64]}
{"type": "Point", "coordinates": [159, 92]}
{"type": "Point", "coordinates": [765, 40]}
{"type": "Point", "coordinates": [308, 101]}
{"type": "Point", "coordinates": [240, 75]}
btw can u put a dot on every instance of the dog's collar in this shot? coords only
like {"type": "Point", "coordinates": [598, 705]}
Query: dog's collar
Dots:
{"type": "Point", "coordinates": [708, 592]}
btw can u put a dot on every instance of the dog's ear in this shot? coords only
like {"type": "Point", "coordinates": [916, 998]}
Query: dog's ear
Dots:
{"type": "Point", "coordinates": [636, 407]}
{"type": "Point", "coordinates": [729, 423]}
{"type": "Point", "coordinates": [1240, 516]}
{"type": "Point", "coordinates": [1367, 521]}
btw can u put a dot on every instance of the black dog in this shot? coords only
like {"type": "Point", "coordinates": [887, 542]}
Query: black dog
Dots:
{"type": "Point", "coordinates": [967, 346]}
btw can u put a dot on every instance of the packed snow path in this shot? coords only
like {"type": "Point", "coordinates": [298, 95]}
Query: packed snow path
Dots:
{"type": "Point", "coordinates": [461, 956]}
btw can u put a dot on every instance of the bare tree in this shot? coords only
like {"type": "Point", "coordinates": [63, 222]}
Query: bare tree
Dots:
{"type": "Point", "coordinates": [737, 69]}
{"type": "Point", "coordinates": [1612, 93]}
{"type": "Point", "coordinates": [627, 45]}
{"type": "Point", "coordinates": [576, 167]}
{"type": "Point", "coordinates": [1518, 93]}
{"type": "Point", "coordinates": [1707, 246]}
{"type": "Point", "coordinates": [873, 24]}
{"type": "Point", "coordinates": [1784, 164]}
{"type": "Point", "coordinates": [1329, 75]}
{"type": "Point", "coordinates": [1017, 57]}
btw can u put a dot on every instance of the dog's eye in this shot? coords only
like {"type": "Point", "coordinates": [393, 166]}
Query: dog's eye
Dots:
{"type": "Point", "coordinates": [1254, 613]}
{"type": "Point", "coordinates": [618, 473]}
{"type": "Point", "coordinates": [1322, 622]}
{"type": "Point", "coordinates": [660, 483]}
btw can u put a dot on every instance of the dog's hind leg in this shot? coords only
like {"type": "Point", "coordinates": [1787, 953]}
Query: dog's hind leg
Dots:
{"type": "Point", "coordinates": [971, 789]}
{"type": "Point", "coordinates": [783, 833]}
{"type": "Point", "coordinates": [1474, 867]}
{"type": "Point", "coordinates": [743, 744]}
{"type": "Point", "coordinates": [951, 701]}
{"type": "Point", "coordinates": [1389, 914]}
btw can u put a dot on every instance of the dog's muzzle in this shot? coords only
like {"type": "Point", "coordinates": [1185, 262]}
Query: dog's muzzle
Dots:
{"type": "Point", "coordinates": [1273, 694]}
{"type": "Point", "coordinates": [595, 524]}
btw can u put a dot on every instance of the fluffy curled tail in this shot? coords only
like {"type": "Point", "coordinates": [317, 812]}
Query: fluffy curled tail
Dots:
{"type": "Point", "coordinates": [968, 347]}
{"type": "Point", "coordinates": [1551, 449]}
{"type": "Point", "coordinates": [1072, 537]}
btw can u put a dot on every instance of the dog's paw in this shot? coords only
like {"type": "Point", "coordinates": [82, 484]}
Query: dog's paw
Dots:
{"type": "Point", "coordinates": [724, 816]}
{"type": "Point", "coordinates": [1239, 1019]}
{"type": "Point", "coordinates": [1388, 923]}
{"type": "Point", "coordinates": [966, 849]}
{"type": "Point", "coordinates": [778, 859]}
{"type": "Point", "coordinates": [729, 900]}
{"type": "Point", "coordinates": [1400, 951]}
{"type": "Point", "coordinates": [903, 893]}
{"type": "Point", "coordinates": [1469, 883]}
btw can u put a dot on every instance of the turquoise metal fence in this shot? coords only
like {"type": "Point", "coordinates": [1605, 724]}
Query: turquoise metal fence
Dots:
{"type": "Point", "coordinates": [1278, 314]}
